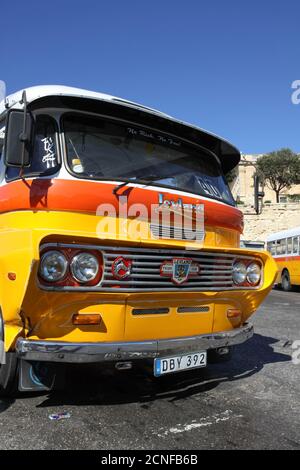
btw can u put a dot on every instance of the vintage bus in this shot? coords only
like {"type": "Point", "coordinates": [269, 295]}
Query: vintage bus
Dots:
{"type": "Point", "coordinates": [95, 264]}
{"type": "Point", "coordinates": [285, 248]}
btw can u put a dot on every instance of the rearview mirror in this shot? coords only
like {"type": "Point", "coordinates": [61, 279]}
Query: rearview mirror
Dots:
{"type": "Point", "coordinates": [2, 136]}
{"type": "Point", "coordinates": [18, 139]}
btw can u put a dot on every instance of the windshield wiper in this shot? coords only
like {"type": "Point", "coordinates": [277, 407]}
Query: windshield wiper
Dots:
{"type": "Point", "coordinates": [146, 179]}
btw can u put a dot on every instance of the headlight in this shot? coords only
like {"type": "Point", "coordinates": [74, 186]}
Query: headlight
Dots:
{"type": "Point", "coordinates": [53, 266]}
{"type": "Point", "coordinates": [239, 272]}
{"type": "Point", "coordinates": [253, 273]}
{"type": "Point", "coordinates": [84, 267]}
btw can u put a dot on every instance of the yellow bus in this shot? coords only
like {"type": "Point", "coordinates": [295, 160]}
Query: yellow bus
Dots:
{"type": "Point", "coordinates": [119, 239]}
{"type": "Point", "coordinates": [284, 247]}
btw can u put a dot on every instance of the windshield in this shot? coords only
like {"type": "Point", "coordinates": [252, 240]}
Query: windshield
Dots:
{"type": "Point", "coordinates": [101, 149]}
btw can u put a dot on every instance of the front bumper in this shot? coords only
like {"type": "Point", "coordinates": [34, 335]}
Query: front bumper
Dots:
{"type": "Point", "coordinates": [59, 351]}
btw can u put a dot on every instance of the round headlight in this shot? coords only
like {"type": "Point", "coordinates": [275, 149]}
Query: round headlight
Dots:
{"type": "Point", "coordinates": [239, 272]}
{"type": "Point", "coordinates": [84, 267]}
{"type": "Point", "coordinates": [53, 266]}
{"type": "Point", "coordinates": [253, 273]}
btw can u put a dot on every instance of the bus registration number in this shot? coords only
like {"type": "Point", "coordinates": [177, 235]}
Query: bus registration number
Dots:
{"type": "Point", "coordinates": [168, 365]}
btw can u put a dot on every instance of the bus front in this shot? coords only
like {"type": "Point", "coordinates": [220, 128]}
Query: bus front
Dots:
{"type": "Point", "coordinates": [120, 239]}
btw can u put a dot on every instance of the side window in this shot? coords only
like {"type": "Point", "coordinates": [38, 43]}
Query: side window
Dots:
{"type": "Point", "coordinates": [289, 245]}
{"type": "Point", "coordinates": [281, 247]}
{"type": "Point", "coordinates": [273, 248]}
{"type": "Point", "coordinates": [295, 245]}
{"type": "Point", "coordinates": [44, 158]}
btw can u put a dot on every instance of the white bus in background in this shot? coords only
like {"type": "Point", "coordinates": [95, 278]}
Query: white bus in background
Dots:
{"type": "Point", "coordinates": [285, 249]}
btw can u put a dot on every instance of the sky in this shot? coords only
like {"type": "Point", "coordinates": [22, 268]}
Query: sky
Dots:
{"type": "Point", "coordinates": [225, 66]}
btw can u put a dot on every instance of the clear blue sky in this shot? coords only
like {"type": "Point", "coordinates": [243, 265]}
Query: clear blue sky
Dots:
{"type": "Point", "coordinates": [226, 66]}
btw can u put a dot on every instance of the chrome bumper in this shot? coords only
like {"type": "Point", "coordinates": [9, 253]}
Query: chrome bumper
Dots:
{"type": "Point", "coordinates": [58, 351]}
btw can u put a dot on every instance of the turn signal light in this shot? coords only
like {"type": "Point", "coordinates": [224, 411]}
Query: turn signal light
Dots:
{"type": "Point", "coordinates": [233, 313]}
{"type": "Point", "coordinates": [86, 319]}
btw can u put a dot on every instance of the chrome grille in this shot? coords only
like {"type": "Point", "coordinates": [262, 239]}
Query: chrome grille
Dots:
{"type": "Point", "coordinates": [175, 233]}
{"type": "Point", "coordinates": [215, 270]}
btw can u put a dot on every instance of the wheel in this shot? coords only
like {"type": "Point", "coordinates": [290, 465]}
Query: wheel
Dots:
{"type": "Point", "coordinates": [9, 375]}
{"type": "Point", "coordinates": [285, 281]}
{"type": "Point", "coordinates": [220, 355]}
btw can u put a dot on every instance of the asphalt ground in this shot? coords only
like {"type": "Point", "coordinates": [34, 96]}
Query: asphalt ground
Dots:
{"type": "Point", "coordinates": [251, 402]}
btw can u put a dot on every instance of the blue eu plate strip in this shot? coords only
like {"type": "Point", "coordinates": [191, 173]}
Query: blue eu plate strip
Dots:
{"type": "Point", "coordinates": [157, 367]}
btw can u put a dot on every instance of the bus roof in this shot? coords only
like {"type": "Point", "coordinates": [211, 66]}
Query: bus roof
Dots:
{"type": "Point", "coordinates": [292, 232]}
{"type": "Point", "coordinates": [228, 154]}
{"type": "Point", "coordinates": [41, 91]}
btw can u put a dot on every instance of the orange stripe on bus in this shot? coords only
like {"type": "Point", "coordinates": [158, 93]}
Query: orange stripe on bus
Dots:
{"type": "Point", "coordinates": [86, 196]}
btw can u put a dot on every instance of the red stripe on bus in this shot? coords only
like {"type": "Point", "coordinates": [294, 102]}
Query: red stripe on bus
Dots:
{"type": "Point", "coordinates": [287, 258]}
{"type": "Point", "coordinates": [86, 196]}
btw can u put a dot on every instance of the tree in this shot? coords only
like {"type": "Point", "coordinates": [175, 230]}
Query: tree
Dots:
{"type": "Point", "coordinates": [279, 170]}
{"type": "Point", "coordinates": [231, 175]}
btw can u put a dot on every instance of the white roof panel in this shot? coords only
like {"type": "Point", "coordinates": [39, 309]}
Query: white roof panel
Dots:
{"type": "Point", "coordinates": [292, 232]}
{"type": "Point", "coordinates": [35, 92]}
{"type": "Point", "coordinates": [228, 154]}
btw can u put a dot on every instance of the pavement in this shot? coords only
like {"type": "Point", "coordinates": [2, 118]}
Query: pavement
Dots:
{"type": "Point", "coordinates": [251, 402]}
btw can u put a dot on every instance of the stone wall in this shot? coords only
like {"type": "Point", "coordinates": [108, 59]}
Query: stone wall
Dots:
{"type": "Point", "coordinates": [274, 218]}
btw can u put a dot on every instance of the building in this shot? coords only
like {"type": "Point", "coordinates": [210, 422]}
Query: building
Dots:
{"type": "Point", "coordinates": [274, 216]}
{"type": "Point", "coordinates": [243, 186]}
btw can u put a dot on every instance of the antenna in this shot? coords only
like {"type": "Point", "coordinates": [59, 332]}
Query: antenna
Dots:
{"type": "Point", "coordinates": [2, 90]}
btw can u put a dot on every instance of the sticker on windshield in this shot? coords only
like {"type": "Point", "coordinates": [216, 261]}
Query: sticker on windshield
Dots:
{"type": "Point", "coordinates": [209, 188]}
{"type": "Point", "coordinates": [153, 136]}
{"type": "Point", "coordinates": [49, 158]}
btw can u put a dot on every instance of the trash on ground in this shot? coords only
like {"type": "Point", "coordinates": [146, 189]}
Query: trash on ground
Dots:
{"type": "Point", "coordinates": [59, 416]}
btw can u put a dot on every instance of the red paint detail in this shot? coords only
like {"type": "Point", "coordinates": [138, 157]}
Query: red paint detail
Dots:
{"type": "Point", "coordinates": [86, 196]}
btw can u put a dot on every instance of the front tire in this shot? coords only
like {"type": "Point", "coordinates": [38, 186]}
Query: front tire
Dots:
{"type": "Point", "coordinates": [286, 281]}
{"type": "Point", "coordinates": [9, 375]}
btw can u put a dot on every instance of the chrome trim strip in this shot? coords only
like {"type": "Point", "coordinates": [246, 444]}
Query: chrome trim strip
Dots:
{"type": "Point", "coordinates": [1, 326]}
{"type": "Point", "coordinates": [59, 351]}
{"type": "Point", "coordinates": [2, 346]}
{"type": "Point", "coordinates": [126, 290]}
{"type": "Point", "coordinates": [159, 251]}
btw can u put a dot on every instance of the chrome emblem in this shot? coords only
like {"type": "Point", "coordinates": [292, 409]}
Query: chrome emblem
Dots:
{"type": "Point", "coordinates": [121, 268]}
{"type": "Point", "coordinates": [179, 269]}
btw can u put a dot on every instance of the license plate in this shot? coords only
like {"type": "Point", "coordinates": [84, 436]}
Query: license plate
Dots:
{"type": "Point", "coordinates": [167, 365]}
